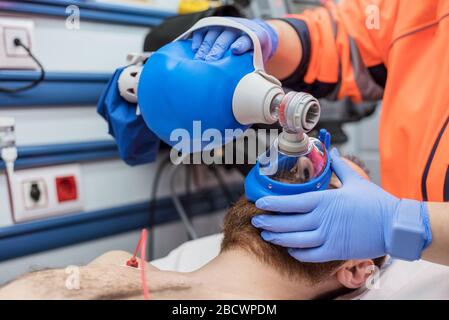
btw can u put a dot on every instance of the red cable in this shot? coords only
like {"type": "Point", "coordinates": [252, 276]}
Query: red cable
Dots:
{"type": "Point", "coordinates": [138, 246]}
{"type": "Point", "coordinates": [143, 249]}
{"type": "Point", "coordinates": [132, 262]}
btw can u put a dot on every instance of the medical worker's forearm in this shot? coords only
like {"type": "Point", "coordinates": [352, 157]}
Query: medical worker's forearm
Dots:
{"type": "Point", "coordinates": [288, 55]}
{"type": "Point", "coordinates": [438, 251]}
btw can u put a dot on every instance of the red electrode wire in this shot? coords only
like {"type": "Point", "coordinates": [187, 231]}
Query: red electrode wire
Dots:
{"type": "Point", "coordinates": [143, 249]}
{"type": "Point", "coordinates": [133, 261]}
{"type": "Point", "coordinates": [142, 245]}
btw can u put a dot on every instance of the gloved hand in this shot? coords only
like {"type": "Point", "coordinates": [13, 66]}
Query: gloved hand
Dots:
{"type": "Point", "coordinates": [353, 222]}
{"type": "Point", "coordinates": [211, 43]}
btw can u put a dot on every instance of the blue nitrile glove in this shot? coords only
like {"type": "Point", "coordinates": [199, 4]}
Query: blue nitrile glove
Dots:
{"type": "Point", "coordinates": [211, 43]}
{"type": "Point", "coordinates": [357, 221]}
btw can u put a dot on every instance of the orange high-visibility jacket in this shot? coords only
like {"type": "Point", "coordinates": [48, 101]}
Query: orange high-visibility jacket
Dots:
{"type": "Point", "coordinates": [366, 49]}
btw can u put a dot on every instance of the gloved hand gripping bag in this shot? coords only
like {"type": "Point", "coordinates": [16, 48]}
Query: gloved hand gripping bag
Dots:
{"type": "Point", "coordinates": [175, 90]}
{"type": "Point", "coordinates": [136, 143]}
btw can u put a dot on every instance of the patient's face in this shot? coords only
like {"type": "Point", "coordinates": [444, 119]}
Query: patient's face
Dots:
{"type": "Point", "coordinates": [303, 171]}
{"type": "Point", "coordinates": [239, 233]}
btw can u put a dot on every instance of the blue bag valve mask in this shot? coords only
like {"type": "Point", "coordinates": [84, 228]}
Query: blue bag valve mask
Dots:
{"type": "Point", "coordinates": [180, 98]}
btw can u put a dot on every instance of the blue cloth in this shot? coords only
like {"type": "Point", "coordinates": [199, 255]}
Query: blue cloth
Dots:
{"type": "Point", "coordinates": [136, 143]}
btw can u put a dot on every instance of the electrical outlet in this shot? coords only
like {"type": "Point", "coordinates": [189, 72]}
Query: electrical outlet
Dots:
{"type": "Point", "coordinates": [11, 34]}
{"type": "Point", "coordinates": [12, 56]}
{"type": "Point", "coordinates": [47, 191]}
{"type": "Point", "coordinates": [34, 194]}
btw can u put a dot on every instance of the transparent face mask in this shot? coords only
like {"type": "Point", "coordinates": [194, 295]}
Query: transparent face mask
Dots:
{"type": "Point", "coordinates": [294, 168]}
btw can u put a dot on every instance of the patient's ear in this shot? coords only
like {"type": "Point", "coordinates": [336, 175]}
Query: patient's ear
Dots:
{"type": "Point", "coordinates": [354, 273]}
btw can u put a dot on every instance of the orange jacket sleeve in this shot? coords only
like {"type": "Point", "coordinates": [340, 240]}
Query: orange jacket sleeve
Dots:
{"type": "Point", "coordinates": [345, 49]}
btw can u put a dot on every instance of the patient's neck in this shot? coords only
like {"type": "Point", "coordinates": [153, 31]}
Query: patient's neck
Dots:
{"type": "Point", "coordinates": [240, 273]}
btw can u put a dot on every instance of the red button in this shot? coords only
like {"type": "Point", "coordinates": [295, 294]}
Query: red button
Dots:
{"type": "Point", "coordinates": [66, 188]}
